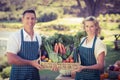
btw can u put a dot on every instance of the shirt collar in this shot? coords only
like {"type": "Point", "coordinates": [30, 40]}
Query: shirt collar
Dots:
{"type": "Point", "coordinates": [26, 35]}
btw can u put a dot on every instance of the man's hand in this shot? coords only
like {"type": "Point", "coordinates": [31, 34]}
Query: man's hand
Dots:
{"type": "Point", "coordinates": [55, 68]}
{"type": "Point", "coordinates": [36, 64]}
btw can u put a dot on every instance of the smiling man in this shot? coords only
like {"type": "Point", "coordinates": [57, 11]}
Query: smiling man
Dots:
{"type": "Point", "coordinates": [23, 50]}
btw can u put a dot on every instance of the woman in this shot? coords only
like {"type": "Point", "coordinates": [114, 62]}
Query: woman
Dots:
{"type": "Point", "coordinates": [91, 51]}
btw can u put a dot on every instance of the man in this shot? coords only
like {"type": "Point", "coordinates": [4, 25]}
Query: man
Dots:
{"type": "Point", "coordinates": [23, 50]}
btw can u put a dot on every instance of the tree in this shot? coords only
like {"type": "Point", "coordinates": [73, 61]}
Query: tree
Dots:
{"type": "Point", "coordinates": [92, 6]}
{"type": "Point", "coordinates": [95, 7]}
{"type": "Point", "coordinates": [4, 5]}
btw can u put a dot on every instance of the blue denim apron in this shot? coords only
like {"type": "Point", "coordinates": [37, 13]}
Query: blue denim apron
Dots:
{"type": "Point", "coordinates": [87, 58]}
{"type": "Point", "coordinates": [28, 51]}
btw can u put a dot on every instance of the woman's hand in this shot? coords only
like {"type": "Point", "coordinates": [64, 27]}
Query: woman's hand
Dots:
{"type": "Point", "coordinates": [73, 74]}
{"type": "Point", "coordinates": [78, 69]}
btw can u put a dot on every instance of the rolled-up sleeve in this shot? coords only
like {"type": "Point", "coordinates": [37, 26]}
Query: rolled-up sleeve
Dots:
{"type": "Point", "coordinates": [99, 48]}
{"type": "Point", "coordinates": [12, 45]}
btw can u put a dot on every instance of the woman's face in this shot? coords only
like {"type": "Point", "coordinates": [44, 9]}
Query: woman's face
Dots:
{"type": "Point", "coordinates": [29, 20]}
{"type": "Point", "coordinates": [90, 27]}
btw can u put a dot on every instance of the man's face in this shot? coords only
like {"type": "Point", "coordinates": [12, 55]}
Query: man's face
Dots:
{"type": "Point", "coordinates": [29, 20]}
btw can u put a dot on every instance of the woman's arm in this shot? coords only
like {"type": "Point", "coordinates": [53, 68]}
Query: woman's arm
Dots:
{"type": "Point", "coordinates": [98, 66]}
{"type": "Point", "coordinates": [100, 63]}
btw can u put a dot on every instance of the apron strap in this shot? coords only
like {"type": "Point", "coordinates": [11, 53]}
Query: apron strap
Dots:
{"type": "Point", "coordinates": [83, 41]}
{"type": "Point", "coordinates": [94, 42]}
{"type": "Point", "coordinates": [22, 36]}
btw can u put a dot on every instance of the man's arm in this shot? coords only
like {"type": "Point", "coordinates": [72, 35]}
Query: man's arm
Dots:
{"type": "Point", "coordinates": [16, 60]}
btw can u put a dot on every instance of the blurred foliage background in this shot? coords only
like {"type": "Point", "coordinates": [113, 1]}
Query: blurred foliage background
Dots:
{"type": "Point", "coordinates": [62, 17]}
{"type": "Point", "coordinates": [48, 10]}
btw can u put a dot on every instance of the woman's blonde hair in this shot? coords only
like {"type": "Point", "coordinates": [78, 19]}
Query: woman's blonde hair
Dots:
{"type": "Point", "coordinates": [95, 21]}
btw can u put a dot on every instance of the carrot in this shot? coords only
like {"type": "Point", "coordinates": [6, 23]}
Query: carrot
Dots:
{"type": "Point", "coordinates": [63, 49]}
{"type": "Point", "coordinates": [56, 48]}
{"type": "Point", "coordinates": [60, 48]}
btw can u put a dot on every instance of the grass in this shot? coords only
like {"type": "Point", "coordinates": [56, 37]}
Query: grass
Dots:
{"type": "Point", "coordinates": [112, 54]}
{"type": "Point", "coordinates": [109, 25]}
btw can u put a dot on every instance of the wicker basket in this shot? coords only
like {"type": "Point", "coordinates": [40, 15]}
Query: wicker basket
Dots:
{"type": "Point", "coordinates": [63, 66]}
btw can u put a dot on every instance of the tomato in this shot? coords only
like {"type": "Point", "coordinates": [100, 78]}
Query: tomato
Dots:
{"type": "Point", "coordinates": [64, 61]}
{"type": "Point", "coordinates": [67, 60]}
{"type": "Point", "coordinates": [70, 57]}
{"type": "Point", "coordinates": [71, 61]}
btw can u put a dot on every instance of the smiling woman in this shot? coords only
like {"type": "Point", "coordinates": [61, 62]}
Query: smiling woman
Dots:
{"type": "Point", "coordinates": [91, 52]}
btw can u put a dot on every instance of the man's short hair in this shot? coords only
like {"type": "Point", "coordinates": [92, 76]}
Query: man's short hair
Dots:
{"type": "Point", "coordinates": [29, 11]}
